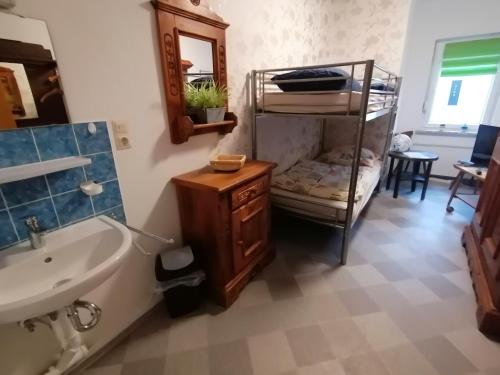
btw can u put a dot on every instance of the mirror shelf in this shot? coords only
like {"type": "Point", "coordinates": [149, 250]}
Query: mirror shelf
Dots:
{"type": "Point", "coordinates": [193, 53]}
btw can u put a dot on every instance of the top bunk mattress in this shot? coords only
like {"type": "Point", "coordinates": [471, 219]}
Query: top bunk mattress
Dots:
{"type": "Point", "coordinates": [318, 102]}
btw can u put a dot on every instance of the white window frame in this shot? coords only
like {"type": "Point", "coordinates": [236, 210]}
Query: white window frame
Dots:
{"type": "Point", "coordinates": [435, 73]}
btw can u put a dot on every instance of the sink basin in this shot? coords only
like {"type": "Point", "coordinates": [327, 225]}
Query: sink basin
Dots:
{"type": "Point", "coordinates": [74, 261]}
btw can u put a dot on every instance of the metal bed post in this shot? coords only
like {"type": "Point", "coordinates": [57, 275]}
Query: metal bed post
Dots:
{"type": "Point", "coordinates": [360, 129]}
{"type": "Point", "coordinates": [390, 130]}
{"type": "Point", "coordinates": [254, 114]}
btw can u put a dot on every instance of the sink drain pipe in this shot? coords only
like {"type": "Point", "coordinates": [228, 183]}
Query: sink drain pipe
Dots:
{"type": "Point", "coordinates": [66, 325]}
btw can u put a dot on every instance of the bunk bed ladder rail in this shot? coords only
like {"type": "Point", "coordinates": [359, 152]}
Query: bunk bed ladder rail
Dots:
{"type": "Point", "coordinates": [360, 129]}
{"type": "Point", "coordinates": [390, 132]}
{"type": "Point", "coordinates": [254, 113]}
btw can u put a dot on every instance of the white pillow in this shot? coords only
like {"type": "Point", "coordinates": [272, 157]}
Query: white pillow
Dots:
{"type": "Point", "coordinates": [401, 143]}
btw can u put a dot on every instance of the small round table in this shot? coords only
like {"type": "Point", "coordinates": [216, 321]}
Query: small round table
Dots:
{"type": "Point", "coordinates": [417, 158]}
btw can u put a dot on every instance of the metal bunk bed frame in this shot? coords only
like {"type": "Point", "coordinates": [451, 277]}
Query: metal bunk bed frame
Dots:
{"type": "Point", "coordinates": [389, 106]}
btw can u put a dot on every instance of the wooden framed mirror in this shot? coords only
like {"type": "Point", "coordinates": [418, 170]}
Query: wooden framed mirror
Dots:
{"type": "Point", "coordinates": [193, 50]}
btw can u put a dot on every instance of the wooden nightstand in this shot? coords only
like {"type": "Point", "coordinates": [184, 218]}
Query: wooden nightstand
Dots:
{"type": "Point", "coordinates": [225, 218]}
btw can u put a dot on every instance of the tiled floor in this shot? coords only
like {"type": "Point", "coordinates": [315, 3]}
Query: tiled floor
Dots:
{"type": "Point", "coordinates": [402, 305]}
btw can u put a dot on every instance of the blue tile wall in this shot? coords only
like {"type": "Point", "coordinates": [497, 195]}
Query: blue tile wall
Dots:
{"type": "Point", "coordinates": [55, 142]}
{"type": "Point", "coordinates": [17, 147]}
{"type": "Point", "coordinates": [56, 198]}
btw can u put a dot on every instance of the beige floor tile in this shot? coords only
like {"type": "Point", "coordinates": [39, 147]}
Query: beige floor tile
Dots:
{"type": "Point", "coordinates": [374, 253]}
{"type": "Point", "coordinates": [461, 279]}
{"type": "Point", "coordinates": [417, 266]}
{"type": "Point", "coordinates": [283, 288]}
{"type": "Point", "coordinates": [392, 271]}
{"type": "Point", "coordinates": [309, 345]}
{"type": "Point", "coordinates": [323, 368]}
{"type": "Point", "coordinates": [480, 350]}
{"type": "Point", "coordinates": [365, 364]}
{"type": "Point", "coordinates": [451, 314]}
{"type": "Point", "coordinates": [255, 293]}
{"type": "Point", "coordinates": [407, 360]}
{"type": "Point", "coordinates": [440, 263]}
{"type": "Point", "coordinates": [385, 225]}
{"type": "Point", "coordinates": [106, 370]}
{"type": "Point", "coordinates": [194, 362]}
{"type": "Point", "coordinates": [387, 297]}
{"type": "Point", "coordinates": [276, 269]}
{"type": "Point", "coordinates": [340, 279]}
{"type": "Point", "coordinates": [153, 366]}
{"type": "Point", "coordinates": [230, 358]}
{"type": "Point", "coordinates": [325, 307]}
{"type": "Point", "coordinates": [442, 287]}
{"type": "Point", "coordinates": [270, 354]}
{"type": "Point", "coordinates": [302, 263]}
{"type": "Point", "coordinates": [445, 358]}
{"type": "Point", "coordinates": [380, 331]}
{"type": "Point", "coordinates": [458, 257]}
{"type": "Point", "coordinates": [358, 302]}
{"type": "Point", "coordinates": [367, 275]}
{"type": "Point", "coordinates": [491, 371]}
{"type": "Point", "coordinates": [415, 292]}
{"type": "Point", "coordinates": [413, 323]}
{"type": "Point", "coordinates": [235, 324]}
{"type": "Point", "coordinates": [345, 338]}
{"type": "Point", "coordinates": [188, 334]}
{"type": "Point", "coordinates": [313, 284]}
{"type": "Point", "coordinates": [396, 251]}
{"type": "Point", "coordinates": [115, 356]}
{"type": "Point", "coordinates": [141, 347]}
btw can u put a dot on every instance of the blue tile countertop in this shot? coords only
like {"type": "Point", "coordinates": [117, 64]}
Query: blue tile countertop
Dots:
{"type": "Point", "coordinates": [56, 198]}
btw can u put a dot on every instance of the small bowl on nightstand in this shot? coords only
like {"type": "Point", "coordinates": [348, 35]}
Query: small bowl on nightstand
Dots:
{"type": "Point", "coordinates": [228, 163]}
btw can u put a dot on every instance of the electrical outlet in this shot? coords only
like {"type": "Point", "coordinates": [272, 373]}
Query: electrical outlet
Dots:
{"type": "Point", "coordinates": [120, 132]}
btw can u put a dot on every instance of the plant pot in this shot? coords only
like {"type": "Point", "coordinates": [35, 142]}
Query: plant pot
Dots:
{"type": "Point", "coordinates": [206, 115]}
{"type": "Point", "coordinates": [215, 114]}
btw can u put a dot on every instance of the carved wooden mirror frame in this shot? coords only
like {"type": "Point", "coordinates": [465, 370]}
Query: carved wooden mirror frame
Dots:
{"type": "Point", "coordinates": [189, 18]}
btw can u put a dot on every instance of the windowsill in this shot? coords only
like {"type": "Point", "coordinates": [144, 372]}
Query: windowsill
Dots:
{"type": "Point", "coordinates": [448, 132]}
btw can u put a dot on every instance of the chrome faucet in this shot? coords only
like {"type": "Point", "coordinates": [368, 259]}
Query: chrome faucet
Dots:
{"type": "Point", "coordinates": [35, 233]}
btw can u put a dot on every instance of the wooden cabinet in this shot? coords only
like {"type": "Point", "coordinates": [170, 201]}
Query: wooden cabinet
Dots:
{"type": "Point", "coordinates": [482, 243]}
{"type": "Point", "coordinates": [225, 218]}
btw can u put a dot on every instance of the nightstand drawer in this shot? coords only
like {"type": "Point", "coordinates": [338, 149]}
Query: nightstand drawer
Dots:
{"type": "Point", "coordinates": [250, 227]}
{"type": "Point", "coordinates": [249, 191]}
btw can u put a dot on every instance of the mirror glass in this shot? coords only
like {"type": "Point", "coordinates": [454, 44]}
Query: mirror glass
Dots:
{"type": "Point", "coordinates": [197, 59]}
{"type": "Point", "coordinates": [30, 89]}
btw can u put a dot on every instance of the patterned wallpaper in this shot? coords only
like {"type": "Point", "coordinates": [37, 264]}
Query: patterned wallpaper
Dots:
{"type": "Point", "coordinates": [281, 33]}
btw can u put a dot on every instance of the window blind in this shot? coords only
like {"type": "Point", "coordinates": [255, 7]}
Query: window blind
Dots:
{"type": "Point", "coordinates": [470, 58]}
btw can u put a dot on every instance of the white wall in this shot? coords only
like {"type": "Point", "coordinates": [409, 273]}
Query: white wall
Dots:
{"type": "Point", "coordinates": [431, 20]}
{"type": "Point", "coordinates": [109, 64]}
{"type": "Point", "coordinates": [110, 67]}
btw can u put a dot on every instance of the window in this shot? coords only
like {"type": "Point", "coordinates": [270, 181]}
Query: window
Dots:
{"type": "Point", "coordinates": [463, 88]}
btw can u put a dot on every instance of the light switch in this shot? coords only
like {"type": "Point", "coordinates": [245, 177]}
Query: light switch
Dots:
{"type": "Point", "coordinates": [120, 132]}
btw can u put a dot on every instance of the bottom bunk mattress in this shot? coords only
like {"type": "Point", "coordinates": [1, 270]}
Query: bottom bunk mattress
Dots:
{"type": "Point", "coordinates": [319, 200]}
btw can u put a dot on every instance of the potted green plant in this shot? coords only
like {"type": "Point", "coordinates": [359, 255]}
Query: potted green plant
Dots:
{"type": "Point", "coordinates": [206, 102]}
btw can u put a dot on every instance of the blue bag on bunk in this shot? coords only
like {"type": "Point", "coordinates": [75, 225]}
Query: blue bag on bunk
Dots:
{"type": "Point", "coordinates": [338, 84]}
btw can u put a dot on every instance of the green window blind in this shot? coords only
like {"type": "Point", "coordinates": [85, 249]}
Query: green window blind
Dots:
{"type": "Point", "coordinates": [471, 58]}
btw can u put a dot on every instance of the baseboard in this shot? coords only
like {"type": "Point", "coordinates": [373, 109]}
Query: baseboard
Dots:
{"type": "Point", "coordinates": [441, 177]}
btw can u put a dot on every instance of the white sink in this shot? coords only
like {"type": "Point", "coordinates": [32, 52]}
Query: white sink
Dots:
{"type": "Point", "coordinates": [74, 261]}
